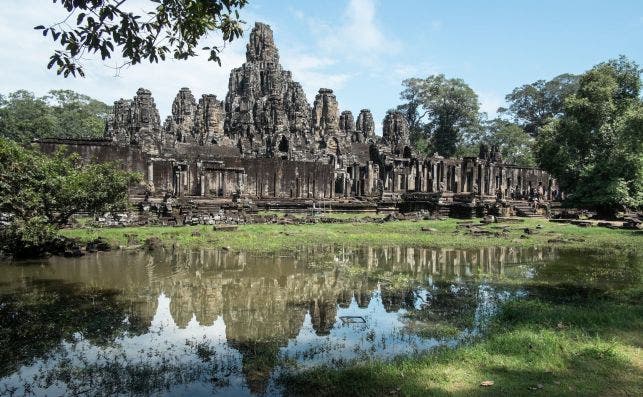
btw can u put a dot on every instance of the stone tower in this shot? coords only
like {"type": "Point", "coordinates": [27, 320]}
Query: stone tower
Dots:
{"type": "Point", "coordinates": [325, 113]}
{"type": "Point", "coordinates": [208, 121]}
{"type": "Point", "coordinates": [365, 124]}
{"type": "Point", "coordinates": [264, 106]}
{"type": "Point", "coordinates": [395, 132]}
{"type": "Point", "coordinates": [346, 121]}
{"type": "Point", "coordinates": [134, 122]}
{"type": "Point", "coordinates": [183, 114]}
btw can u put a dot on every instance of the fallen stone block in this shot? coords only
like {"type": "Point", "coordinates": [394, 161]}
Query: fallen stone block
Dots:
{"type": "Point", "coordinates": [228, 228]}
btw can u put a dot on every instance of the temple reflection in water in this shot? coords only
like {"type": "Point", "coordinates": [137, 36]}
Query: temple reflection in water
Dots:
{"type": "Point", "coordinates": [250, 290]}
{"type": "Point", "coordinates": [257, 311]}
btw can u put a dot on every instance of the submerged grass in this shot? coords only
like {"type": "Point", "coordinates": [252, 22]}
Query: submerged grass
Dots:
{"type": "Point", "coordinates": [274, 237]}
{"type": "Point", "coordinates": [534, 347]}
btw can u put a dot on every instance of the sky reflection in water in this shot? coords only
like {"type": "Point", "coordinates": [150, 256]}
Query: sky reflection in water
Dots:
{"type": "Point", "coordinates": [194, 323]}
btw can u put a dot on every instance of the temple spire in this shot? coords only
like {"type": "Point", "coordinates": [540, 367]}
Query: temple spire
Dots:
{"type": "Point", "coordinates": [261, 47]}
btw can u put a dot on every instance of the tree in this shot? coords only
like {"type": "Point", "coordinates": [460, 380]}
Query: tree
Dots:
{"type": "Point", "coordinates": [78, 115]}
{"type": "Point", "coordinates": [440, 110]}
{"type": "Point", "coordinates": [169, 28]}
{"type": "Point", "coordinates": [40, 193]}
{"type": "Point", "coordinates": [533, 105]}
{"type": "Point", "coordinates": [595, 148]}
{"type": "Point", "coordinates": [516, 146]}
{"type": "Point", "coordinates": [414, 114]}
{"type": "Point", "coordinates": [23, 117]}
{"type": "Point", "coordinates": [61, 114]}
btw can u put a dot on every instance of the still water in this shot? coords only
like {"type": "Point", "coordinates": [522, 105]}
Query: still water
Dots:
{"type": "Point", "coordinates": [176, 322]}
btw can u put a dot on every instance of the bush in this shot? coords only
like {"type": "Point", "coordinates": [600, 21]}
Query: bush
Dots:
{"type": "Point", "coordinates": [40, 193]}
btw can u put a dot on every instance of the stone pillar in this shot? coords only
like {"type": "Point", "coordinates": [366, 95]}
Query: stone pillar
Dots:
{"type": "Point", "coordinates": [442, 175]}
{"type": "Point", "coordinates": [186, 180]}
{"type": "Point", "coordinates": [483, 183]}
{"type": "Point", "coordinates": [150, 173]}
{"type": "Point", "coordinates": [202, 184]}
{"type": "Point", "coordinates": [422, 176]}
{"type": "Point", "coordinates": [434, 177]}
{"type": "Point", "coordinates": [177, 182]}
{"type": "Point", "coordinates": [503, 186]}
{"type": "Point", "coordinates": [475, 176]}
{"type": "Point", "coordinates": [492, 180]}
{"type": "Point", "coordinates": [465, 178]}
{"type": "Point", "coordinates": [222, 184]}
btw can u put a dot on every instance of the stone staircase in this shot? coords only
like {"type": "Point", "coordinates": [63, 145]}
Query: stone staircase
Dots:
{"type": "Point", "coordinates": [525, 209]}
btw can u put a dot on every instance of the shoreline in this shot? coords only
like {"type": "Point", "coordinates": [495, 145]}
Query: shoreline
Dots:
{"type": "Point", "coordinates": [452, 233]}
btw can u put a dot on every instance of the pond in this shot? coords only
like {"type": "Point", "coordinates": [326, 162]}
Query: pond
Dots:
{"type": "Point", "coordinates": [179, 322]}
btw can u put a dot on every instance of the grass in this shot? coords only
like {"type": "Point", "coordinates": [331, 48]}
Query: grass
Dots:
{"type": "Point", "coordinates": [331, 215]}
{"type": "Point", "coordinates": [273, 237]}
{"type": "Point", "coordinates": [567, 340]}
{"type": "Point", "coordinates": [588, 347]}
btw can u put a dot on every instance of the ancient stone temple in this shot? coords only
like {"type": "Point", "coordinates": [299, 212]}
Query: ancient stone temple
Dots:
{"type": "Point", "coordinates": [266, 144]}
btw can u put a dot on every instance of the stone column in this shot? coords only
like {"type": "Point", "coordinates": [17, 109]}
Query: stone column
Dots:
{"type": "Point", "coordinates": [434, 177]}
{"type": "Point", "coordinates": [475, 176]}
{"type": "Point", "coordinates": [503, 186]}
{"type": "Point", "coordinates": [442, 176]}
{"type": "Point", "coordinates": [493, 182]}
{"type": "Point", "coordinates": [483, 180]}
{"type": "Point", "coordinates": [150, 173]}
{"type": "Point", "coordinates": [465, 178]}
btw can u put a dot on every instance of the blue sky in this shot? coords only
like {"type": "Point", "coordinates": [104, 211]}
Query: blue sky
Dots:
{"type": "Point", "coordinates": [362, 49]}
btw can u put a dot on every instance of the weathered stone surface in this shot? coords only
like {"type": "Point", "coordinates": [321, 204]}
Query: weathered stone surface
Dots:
{"type": "Point", "coordinates": [266, 141]}
{"type": "Point", "coordinates": [265, 108]}
{"type": "Point", "coordinates": [119, 123]}
{"type": "Point", "coordinates": [135, 122]}
{"type": "Point", "coordinates": [346, 121]}
{"type": "Point", "coordinates": [183, 116]}
{"type": "Point", "coordinates": [365, 124]}
{"type": "Point", "coordinates": [261, 47]}
{"type": "Point", "coordinates": [395, 132]}
{"type": "Point", "coordinates": [209, 121]}
{"type": "Point", "coordinates": [325, 113]}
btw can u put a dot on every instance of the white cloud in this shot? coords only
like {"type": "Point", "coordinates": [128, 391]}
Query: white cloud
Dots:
{"type": "Point", "coordinates": [490, 102]}
{"type": "Point", "coordinates": [338, 51]}
{"type": "Point", "coordinates": [312, 72]}
{"type": "Point", "coordinates": [436, 25]}
{"type": "Point", "coordinates": [401, 71]}
{"type": "Point", "coordinates": [358, 37]}
{"type": "Point", "coordinates": [25, 53]}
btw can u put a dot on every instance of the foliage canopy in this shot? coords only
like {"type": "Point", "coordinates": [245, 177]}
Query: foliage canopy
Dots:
{"type": "Point", "coordinates": [439, 110]}
{"type": "Point", "coordinates": [533, 105]}
{"type": "Point", "coordinates": [61, 114]}
{"type": "Point", "coordinates": [595, 148]}
{"type": "Point", "coordinates": [169, 28]}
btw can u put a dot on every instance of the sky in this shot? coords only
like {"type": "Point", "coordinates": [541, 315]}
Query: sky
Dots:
{"type": "Point", "coordinates": [362, 49]}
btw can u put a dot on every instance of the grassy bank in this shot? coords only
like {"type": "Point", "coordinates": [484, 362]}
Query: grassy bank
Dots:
{"type": "Point", "coordinates": [570, 347]}
{"type": "Point", "coordinates": [573, 336]}
{"type": "Point", "coordinates": [274, 237]}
